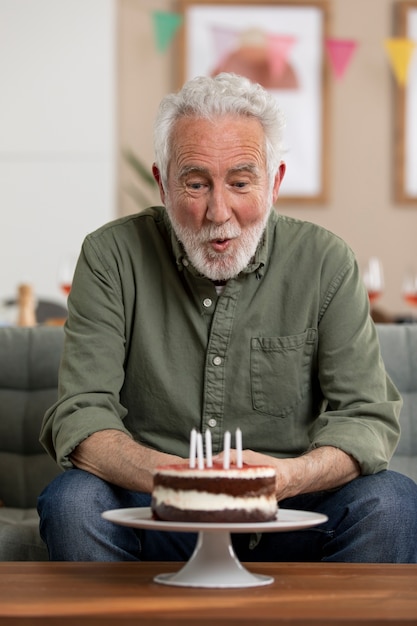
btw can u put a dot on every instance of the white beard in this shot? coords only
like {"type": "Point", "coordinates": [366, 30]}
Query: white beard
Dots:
{"type": "Point", "coordinates": [219, 265]}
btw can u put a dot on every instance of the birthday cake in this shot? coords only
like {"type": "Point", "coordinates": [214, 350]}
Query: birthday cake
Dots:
{"type": "Point", "coordinates": [214, 494]}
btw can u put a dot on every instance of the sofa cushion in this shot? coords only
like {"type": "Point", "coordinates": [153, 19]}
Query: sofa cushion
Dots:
{"type": "Point", "coordinates": [19, 535]}
{"type": "Point", "coordinates": [23, 476]}
{"type": "Point", "coordinates": [399, 352]}
{"type": "Point", "coordinates": [29, 363]}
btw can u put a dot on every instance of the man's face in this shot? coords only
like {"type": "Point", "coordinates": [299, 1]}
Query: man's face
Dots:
{"type": "Point", "coordinates": [218, 195]}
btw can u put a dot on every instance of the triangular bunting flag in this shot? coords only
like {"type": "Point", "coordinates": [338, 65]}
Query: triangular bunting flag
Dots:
{"type": "Point", "coordinates": [340, 54]}
{"type": "Point", "coordinates": [400, 50]}
{"type": "Point", "coordinates": [279, 47]}
{"type": "Point", "coordinates": [224, 41]}
{"type": "Point", "coordinates": [165, 26]}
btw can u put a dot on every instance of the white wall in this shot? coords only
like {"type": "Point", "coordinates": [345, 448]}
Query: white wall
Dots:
{"type": "Point", "coordinates": [57, 134]}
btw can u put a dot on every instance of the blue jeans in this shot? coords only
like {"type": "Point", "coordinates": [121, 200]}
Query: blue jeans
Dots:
{"type": "Point", "coordinates": [372, 519]}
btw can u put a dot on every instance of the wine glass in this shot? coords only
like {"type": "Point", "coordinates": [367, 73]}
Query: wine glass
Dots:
{"type": "Point", "coordinates": [409, 289]}
{"type": "Point", "coordinates": [373, 278]}
{"type": "Point", "coordinates": [66, 270]}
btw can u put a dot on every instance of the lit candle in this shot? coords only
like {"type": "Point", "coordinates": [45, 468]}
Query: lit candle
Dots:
{"type": "Point", "coordinates": [238, 436]}
{"type": "Point", "coordinates": [193, 448]}
{"type": "Point", "coordinates": [209, 456]}
{"type": "Point", "coordinates": [200, 455]}
{"type": "Point", "coordinates": [226, 450]}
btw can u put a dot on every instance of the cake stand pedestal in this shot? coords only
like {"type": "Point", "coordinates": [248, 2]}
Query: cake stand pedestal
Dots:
{"type": "Point", "coordinates": [214, 562]}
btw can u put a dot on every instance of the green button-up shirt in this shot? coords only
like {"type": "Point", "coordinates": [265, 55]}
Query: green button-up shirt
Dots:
{"type": "Point", "coordinates": [287, 352]}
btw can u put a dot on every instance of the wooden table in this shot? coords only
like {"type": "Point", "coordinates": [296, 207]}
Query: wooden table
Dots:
{"type": "Point", "coordinates": [100, 594]}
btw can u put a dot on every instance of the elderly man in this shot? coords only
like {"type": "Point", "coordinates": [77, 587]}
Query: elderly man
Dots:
{"type": "Point", "coordinates": [214, 312]}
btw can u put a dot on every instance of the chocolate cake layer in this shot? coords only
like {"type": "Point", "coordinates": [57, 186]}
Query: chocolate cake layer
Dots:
{"type": "Point", "coordinates": [245, 487]}
{"type": "Point", "coordinates": [239, 516]}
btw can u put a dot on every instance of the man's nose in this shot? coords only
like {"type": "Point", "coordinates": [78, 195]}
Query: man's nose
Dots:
{"type": "Point", "coordinates": [218, 209]}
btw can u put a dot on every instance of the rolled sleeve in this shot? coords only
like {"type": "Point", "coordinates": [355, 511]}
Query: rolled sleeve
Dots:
{"type": "Point", "coordinates": [362, 408]}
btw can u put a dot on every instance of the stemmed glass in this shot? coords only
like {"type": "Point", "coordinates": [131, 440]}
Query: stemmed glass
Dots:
{"type": "Point", "coordinates": [65, 274]}
{"type": "Point", "coordinates": [373, 278]}
{"type": "Point", "coordinates": [409, 289]}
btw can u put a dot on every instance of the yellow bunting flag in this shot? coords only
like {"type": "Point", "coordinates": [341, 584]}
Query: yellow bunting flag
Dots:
{"type": "Point", "coordinates": [166, 25]}
{"type": "Point", "coordinates": [400, 51]}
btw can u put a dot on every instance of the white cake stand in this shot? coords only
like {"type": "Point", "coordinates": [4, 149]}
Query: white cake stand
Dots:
{"type": "Point", "coordinates": [214, 562]}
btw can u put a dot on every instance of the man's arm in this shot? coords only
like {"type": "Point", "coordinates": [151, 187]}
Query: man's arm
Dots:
{"type": "Point", "coordinates": [115, 457]}
{"type": "Point", "coordinates": [320, 469]}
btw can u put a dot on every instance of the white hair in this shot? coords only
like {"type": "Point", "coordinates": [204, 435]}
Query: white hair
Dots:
{"type": "Point", "coordinates": [225, 94]}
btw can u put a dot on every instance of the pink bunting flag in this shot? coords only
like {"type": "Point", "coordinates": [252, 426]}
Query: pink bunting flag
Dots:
{"type": "Point", "coordinates": [279, 47]}
{"type": "Point", "coordinates": [224, 41]}
{"type": "Point", "coordinates": [340, 53]}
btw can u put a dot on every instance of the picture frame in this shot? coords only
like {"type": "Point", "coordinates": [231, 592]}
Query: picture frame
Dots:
{"type": "Point", "coordinates": [405, 152]}
{"type": "Point", "coordinates": [213, 35]}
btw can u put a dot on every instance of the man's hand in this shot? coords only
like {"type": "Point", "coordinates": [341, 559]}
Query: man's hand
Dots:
{"type": "Point", "coordinates": [321, 469]}
{"type": "Point", "coordinates": [115, 457]}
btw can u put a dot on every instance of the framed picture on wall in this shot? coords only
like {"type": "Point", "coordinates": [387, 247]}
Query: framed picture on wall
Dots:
{"type": "Point", "coordinates": [406, 113]}
{"type": "Point", "coordinates": [281, 46]}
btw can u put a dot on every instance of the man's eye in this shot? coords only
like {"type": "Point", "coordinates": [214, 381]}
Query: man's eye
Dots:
{"type": "Point", "coordinates": [196, 187]}
{"type": "Point", "coordinates": [240, 184]}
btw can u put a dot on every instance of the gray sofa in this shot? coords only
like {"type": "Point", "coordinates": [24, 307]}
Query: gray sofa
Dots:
{"type": "Point", "coordinates": [399, 352]}
{"type": "Point", "coordinates": [29, 360]}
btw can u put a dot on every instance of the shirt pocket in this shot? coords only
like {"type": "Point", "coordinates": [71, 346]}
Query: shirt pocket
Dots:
{"type": "Point", "coordinates": [281, 371]}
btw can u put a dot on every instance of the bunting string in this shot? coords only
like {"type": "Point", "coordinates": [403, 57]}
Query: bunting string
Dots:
{"type": "Point", "coordinates": [340, 52]}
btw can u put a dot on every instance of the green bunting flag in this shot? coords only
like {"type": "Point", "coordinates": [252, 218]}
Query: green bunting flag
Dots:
{"type": "Point", "coordinates": [165, 26]}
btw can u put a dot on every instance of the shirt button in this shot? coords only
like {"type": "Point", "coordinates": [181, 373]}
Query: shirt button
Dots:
{"type": "Point", "coordinates": [217, 360]}
{"type": "Point", "coordinates": [212, 422]}
{"type": "Point", "coordinates": [207, 302]}
{"type": "Point", "coordinates": [185, 262]}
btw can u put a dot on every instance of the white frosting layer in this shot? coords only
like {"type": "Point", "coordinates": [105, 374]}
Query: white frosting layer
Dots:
{"type": "Point", "coordinates": [202, 501]}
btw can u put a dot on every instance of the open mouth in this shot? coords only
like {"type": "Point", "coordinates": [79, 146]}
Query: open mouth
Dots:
{"type": "Point", "coordinates": [220, 245]}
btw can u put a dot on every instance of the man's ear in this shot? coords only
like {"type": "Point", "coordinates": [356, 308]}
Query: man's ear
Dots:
{"type": "Point", "coordinates": [278, 180]}
{"type": "Point", "coordinates": [157, 176]}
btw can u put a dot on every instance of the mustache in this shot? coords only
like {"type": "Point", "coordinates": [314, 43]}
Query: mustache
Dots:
{"type": "Point", "coordinates": [212, 232]}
